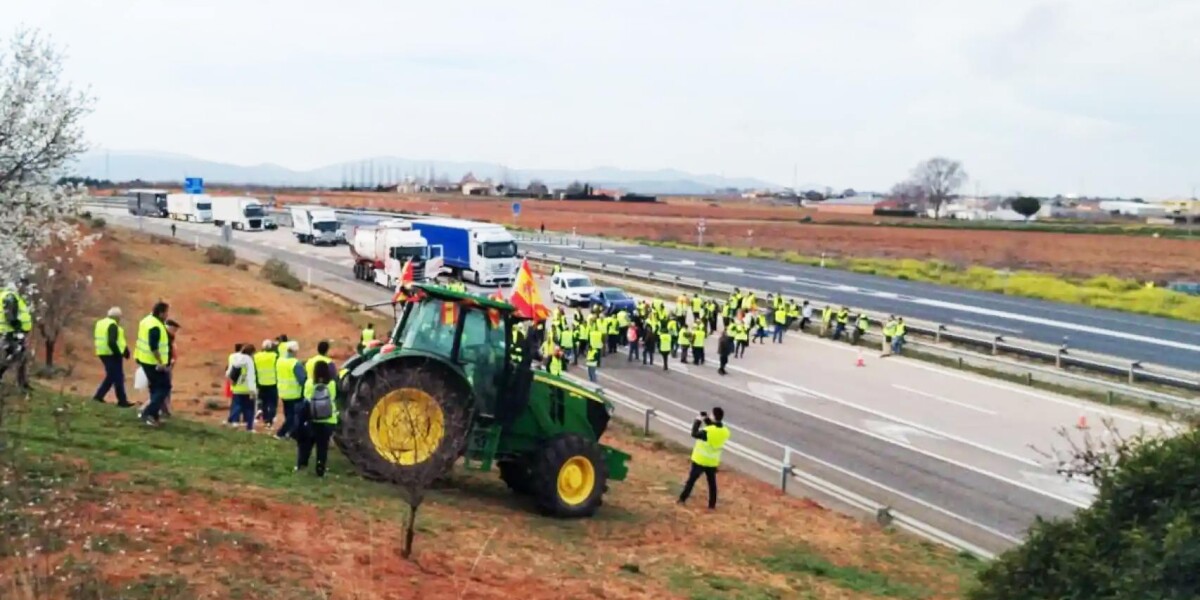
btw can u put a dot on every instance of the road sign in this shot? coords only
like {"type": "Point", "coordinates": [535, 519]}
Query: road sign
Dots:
{"type": "Point", "coordinates": [193, 185]}
{"type": "Point", "coordinates": [516, 206]}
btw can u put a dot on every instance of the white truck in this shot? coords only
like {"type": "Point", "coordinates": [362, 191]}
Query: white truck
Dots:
{"type": "Point", "coordinates": [316, 225]}
{"type": "Point", "coordinates": [484, 253]}
{"type": "Point", "coordinates": [196, 208]}
{"type": "Point", "coordinates": [241, 212]}
{"type": "Point", "coordinates": [380, 252]}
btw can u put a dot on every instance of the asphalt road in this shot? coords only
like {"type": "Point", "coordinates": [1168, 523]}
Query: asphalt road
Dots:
{"type": "Point", "coordinates": [1135, 337]}
{"type": "Point", "coordinates": [954, 450]}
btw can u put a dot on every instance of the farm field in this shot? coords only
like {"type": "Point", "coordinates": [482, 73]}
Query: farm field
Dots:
{"type": "Point", "coordinates": [740, 225]}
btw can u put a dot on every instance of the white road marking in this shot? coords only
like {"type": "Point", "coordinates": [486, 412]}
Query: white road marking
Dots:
{"type": "Point", "coordinates": [1133, 337]}
{"type": "Point", "coordinates": [787, 278]}
{"type": "Point", "coordinates": [871, 434]}
{"type": "Point", "coordinates": [900, 433]}
{"type": "Point", "coordinates": [844, 471]}
{"type": "Point", "coordinates": [868, 410]}
{"type": "Point", "coordinates": [986, 325]}
{"type": "Point", "coordinates": [684, 263]}
{"type": "Point", "coordinates": [946, 400]}
{"type": "Point", "coordinates": [1082, 406]}
{"type": "Point", "coordinates": [645, 256]}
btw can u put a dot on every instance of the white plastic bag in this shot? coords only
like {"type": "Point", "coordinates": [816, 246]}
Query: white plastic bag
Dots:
{"type": "Point", "coordinates": [139, 380]}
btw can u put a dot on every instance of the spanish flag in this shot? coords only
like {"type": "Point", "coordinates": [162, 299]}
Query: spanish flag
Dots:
{"type": "Point", "coordinates": [406, 279]}
{"type": "Point", "coordinates": [526, 297]}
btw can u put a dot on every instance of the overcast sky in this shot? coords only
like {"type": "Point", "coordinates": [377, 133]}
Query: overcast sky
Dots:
{"type": "Point", "coordinates": [1090, 96]}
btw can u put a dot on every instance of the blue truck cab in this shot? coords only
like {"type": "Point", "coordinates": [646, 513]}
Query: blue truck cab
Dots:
{"type": "Point", "coordinates": [482, 253]}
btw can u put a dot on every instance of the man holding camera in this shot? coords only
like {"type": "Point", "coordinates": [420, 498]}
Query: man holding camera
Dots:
{"type": "Point", "coordinates": [711, 436]}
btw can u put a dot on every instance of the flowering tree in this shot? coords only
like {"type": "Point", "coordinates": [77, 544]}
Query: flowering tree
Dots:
{"type": "Point", "coordinates": [40, 133]}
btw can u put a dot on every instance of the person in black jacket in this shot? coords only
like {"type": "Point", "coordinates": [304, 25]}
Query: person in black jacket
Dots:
{"type": "Point", "coordinates": [724, 349]}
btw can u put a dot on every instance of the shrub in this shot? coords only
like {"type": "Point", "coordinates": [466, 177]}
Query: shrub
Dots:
{"type": "Point", "coordinates": [98, 223]}
{"type": "Point", "coordinates": [279, 273]}
{"type": "Point", "coordinates": [220, 255]}
{"type": "Point", "coordinates": [1137, 540]}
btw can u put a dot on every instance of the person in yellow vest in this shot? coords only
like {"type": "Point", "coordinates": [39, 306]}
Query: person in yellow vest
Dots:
{"type": "Point", "coordinates": [321, 357]}
{"type": "Point", "coordinates": [898, 335]}
{"type": "Point", "coordinates": [741, 337]}
{"type": "Point", "coordinates": [555, 366]}
{"type": "Point", "coordinates": [826, 319]}
{"type": "Point", "coordinates": [112, 350]}
{"type": "Point", "coordinates": [698, 335]}
{"type": "Point", "coordinates": [593, 362]}
{"type": "Point", "coordinates": [781, 322]}
{"type": "Point", "coordinates": [711, 436]}
{"type": "Point", "coordinates": [596, 336]}
{"type": "Point", "coordinates": [16, 322]}
{"type": "Point", "coordinates": [153, 355]}
{"type": "Point", "coordinates": [697, 304]}
{"type": "Point", "coordinates": [889, 331]}
{"type": "Point", "coordinates": [685, 343]}
{"type": "Point", "coordinates": [313, 431]}
{"type": "Point", "coordinates": [366, 337]}
{"type": "Point", "coordinates": [614, 333]}
{"type": "Point", "coordinates": [673, 329]}
{"type": "Point", "coordinates": [243, 382]}
{"type": "Point", "coordinates": [666, 342]}
{"type": "Point", "coordinates": [841, 322]}
{"type": "Point", "coordinates": [566, 342]}
{"type": "Point", "coordinates": [760, 331]}
{"type": "Point", "coordinates": [266, 377]}
{"type": "Point", "coordinates": [289, 380]}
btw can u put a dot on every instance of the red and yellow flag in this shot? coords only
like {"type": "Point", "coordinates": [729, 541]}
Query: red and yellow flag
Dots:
{"type": "Point", "coordinates": [406, 279]}
{"type": "Point", "coordinates": [526, 297]}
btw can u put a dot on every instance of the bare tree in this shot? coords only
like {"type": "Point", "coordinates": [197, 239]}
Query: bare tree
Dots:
{"type": "Point", "coordinates": [908, 193]}
{"type": "Point", "coordinates": [939, 178]}
{"type": "Point", "coordinates": [538, 188]}
{"type": "Point", "coordinates": [60, 285]}
{"type": "Point", "coordinates": [423, 440]}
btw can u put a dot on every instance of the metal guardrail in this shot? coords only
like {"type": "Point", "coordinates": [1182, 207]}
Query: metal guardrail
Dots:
{"type": "Point", "coordinates": [995, 345]}
{"type": "Point", "coordinates": [788, 473]}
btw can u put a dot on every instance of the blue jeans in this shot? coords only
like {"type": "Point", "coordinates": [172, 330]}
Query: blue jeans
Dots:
{"type": "Point", "coordinates": [591, 373]}
{"type": "Point", "coordinates": [779, 328]}
{"type": "Point", "coordinates": [242, 409]}
{"type": "Point", "coordinates": [114, 378]}
{"type": "Point", "coordinates": [289, 417]}
{"type": "Point", "coordinates": [160, 387]}
{"type": "Point", "coordinates": [633, 351]}
{"type": "Point", "coordinates": [897, 344]}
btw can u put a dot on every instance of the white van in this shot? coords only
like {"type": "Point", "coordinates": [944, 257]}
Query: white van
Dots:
{"type": "Point", "coordinates": [571, 289]}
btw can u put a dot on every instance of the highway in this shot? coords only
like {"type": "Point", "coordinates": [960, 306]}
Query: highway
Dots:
{"type": "Point", "coordinates": [1135, 337]}
{"type": "Point", "coordinates": [949, 448]}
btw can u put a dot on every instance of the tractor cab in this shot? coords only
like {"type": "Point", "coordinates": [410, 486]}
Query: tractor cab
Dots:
{"type": "Point", "coordinates": [471, 332]}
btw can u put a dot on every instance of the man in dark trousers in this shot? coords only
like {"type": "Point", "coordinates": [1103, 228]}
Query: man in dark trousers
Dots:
{"type": "Point", "coordinates": [711, 436]}
{"type": "Point", "coordinates": [724, 349]}
{"type": "Point", "coordinates": [112, 349]}
{"type": "Point", "coordinates": [153, 356]}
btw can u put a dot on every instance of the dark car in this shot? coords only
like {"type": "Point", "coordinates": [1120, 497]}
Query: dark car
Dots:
{"type": "Point", "coordinates": [612, 300]}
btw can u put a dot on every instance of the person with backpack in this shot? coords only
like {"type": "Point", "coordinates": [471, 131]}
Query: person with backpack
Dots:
{"type": "Point", "coordinates": [244, 386]}
{"type": "Point", "coordinates": [317, 418]}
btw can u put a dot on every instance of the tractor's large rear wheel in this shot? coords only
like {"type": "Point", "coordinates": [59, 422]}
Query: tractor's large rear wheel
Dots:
{"type": "Point", "coordinates": [569, 476]}
{"type": "Point", "coordinates": [406, 420]}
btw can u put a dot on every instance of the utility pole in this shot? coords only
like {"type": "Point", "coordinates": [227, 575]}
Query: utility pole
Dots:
{"type": "Point", "coordinates": [700, 227]}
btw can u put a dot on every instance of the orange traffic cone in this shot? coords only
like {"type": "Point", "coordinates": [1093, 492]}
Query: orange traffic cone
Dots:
{"type": "Point", "coordinates": [859, 362]}
{"type": "Point", "coordinates": [1082, 424]}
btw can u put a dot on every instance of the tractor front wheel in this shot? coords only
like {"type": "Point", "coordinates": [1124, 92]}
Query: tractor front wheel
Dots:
{"type": "Point", "coordinates": [569, 477]}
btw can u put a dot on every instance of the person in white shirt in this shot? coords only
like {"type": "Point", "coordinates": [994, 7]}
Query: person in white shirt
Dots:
{"type": "Point", "coordinates": [244, 384]}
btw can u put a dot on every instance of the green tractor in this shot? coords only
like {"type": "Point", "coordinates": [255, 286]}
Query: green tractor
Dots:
{"type": "Point", "coordinates": [449, 384]}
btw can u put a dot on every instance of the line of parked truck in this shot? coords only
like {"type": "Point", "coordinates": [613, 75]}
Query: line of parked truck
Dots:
{"type": "Point", "coordinates": [240, 212]}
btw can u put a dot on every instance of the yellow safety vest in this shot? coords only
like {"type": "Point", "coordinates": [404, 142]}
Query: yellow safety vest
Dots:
{"type": "Point", "coordinates": [707, 453]}
{"type": "Point", "coordinates": [780, 316]}
{"type": "Point", "coordinates": [240, 386]}
{"type": "Point", "coordinates": [143, 353]}
{"type": "Point", "coordinates": [310, 386]}
{"type": "Point", "coordinates": [685, 338]}
{"type": "Point", "coordinates": [311, 364]}
{"type": "Point", "coordinates": [826, 314]}
{"type": "Point", "coordinates": [863, 322]}
{"type": "Point", "coordinates": [264, 367]}
{"type": "Point", "coordinates": [23, 314]}
{"type": "Point", "coordinates": [368, 335]}
{"type": "Point", "coordinates": [664, 341]}
{"type": "Point", "coordinates": [597, 338]}
{"type": "Point", "coordinates": [593, 357]}
{"type": "Point", "coordinates": [101, 334]}
{"type": "Point", "coordinates": [900, 328]}
{"type": "Point", "coordinates": [555, 365]}
{"type": "Point", "coordinates": [285, 375]}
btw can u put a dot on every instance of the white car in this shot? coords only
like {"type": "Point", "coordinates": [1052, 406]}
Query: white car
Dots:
{"type": "Point", "coordinates": [571, 289]}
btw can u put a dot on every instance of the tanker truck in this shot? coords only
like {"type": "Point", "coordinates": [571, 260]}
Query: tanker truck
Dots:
{"type": "Point", "coordinates": [380, 252]}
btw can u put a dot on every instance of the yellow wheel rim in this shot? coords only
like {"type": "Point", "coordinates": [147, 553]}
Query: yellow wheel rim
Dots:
{"type": "Point", "coordinates": [576, 480]}
{"type": "Point", "coordinates": [406, 426]}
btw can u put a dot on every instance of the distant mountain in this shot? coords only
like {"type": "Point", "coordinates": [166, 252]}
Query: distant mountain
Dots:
{"type": "Point", "coordinates": [164, 166]}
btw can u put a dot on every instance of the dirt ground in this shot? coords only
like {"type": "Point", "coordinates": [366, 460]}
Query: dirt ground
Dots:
{"type": "Point", "coordinates": [201, 536]}
{"type": "Point", "coordinates": [741, 224]}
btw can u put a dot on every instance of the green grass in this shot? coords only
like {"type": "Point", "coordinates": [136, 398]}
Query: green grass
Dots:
{"type": "Point", "coordinates": [1102, 291]}
{"type": "Point", "coordinates": [233, 310]}
{"type": "Point", "coordinates": [707, 586]}
{"type": "Point", "coordinates": [800, 560]}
